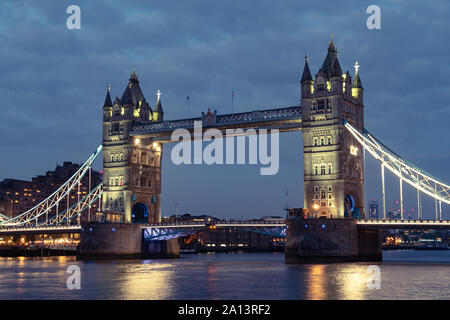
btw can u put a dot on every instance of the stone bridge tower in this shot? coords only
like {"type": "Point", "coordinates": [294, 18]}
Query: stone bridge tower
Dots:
{"type": "Point", "coordinates": [333, 160]}
{"type": "Point", "coordinates": [131, 167]}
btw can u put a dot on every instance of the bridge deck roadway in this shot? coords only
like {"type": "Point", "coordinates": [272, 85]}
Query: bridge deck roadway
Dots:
{"type": "Point", "coordinates": [41, 230]}
{"type": "Point", "coordinates": [367, 224]}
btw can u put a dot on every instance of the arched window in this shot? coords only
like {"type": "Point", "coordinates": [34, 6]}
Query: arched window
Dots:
{"type": "Point", "coordinates": [314, 142]}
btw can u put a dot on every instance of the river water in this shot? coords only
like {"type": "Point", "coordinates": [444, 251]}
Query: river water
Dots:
{"type": "Point", "coordinates": [403, 275]}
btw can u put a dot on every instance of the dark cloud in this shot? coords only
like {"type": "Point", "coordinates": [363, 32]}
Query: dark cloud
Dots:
{"type": "Point", "coordinates": [53, 82]}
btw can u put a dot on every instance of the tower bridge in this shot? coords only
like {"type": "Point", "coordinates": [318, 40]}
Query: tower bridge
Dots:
{"type": "Point", "coordinates": [331, 120]}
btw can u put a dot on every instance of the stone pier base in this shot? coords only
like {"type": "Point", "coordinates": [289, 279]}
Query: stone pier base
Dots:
{"type": "Point", "coordinates": [110, 241]}
{"type": "Point", "coordinates": [330, 240]}
{"type": "Point", "coordinates": [122, 241]}
{"type": "Point", "coordinates": [161, 249]}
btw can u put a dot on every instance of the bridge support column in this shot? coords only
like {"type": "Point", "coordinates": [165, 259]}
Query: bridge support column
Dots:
{"type": "Point", "coordinates": [161, 249]}
{"type": "Point", "coordinates": [330, 240]}
{"type": "Point", "coordinates": [110, 241]}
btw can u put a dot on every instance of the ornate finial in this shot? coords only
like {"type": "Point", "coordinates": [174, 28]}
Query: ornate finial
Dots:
{"type": "Point", "coordinates": [133, 76]}
{"type": "Point", "coordinates": [158, 94]}
{"type": "Point", "coordinates": [109, 87]}
{"type": "Point", "coordinates": [306, 58]}
{"type": "Point", "coordinates": [356, 67]}
{"type": "Point", "coordinates": [331, 45]}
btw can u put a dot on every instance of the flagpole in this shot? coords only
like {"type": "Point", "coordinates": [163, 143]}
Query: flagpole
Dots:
{"type": "Point", "coordinates": [232, 102]}
{"type": "Point", "coordinates": [188, 99]}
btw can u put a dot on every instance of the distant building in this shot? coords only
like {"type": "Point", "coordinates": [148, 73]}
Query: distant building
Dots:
{"type": "Point", "coordinates": [18, 196]}
{"type": "Point", "coordinates": [298, 212]}
{"type": "Point", "coordinates": [373, 209]}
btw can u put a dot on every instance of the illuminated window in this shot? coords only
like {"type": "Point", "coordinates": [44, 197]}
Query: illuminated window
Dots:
{"type": "Point", "coordinates": [322, 194]}
{"type": "Point", "coordinates": [353, 150]}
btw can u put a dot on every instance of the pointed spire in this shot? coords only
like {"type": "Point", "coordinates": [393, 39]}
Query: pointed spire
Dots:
{"type": "Point", "coordinates": [133, 93]}
{"type": "Point", "coordinates": [158, 108]}
{"type": "Point", "coordinates": [108, 102]}
{"type": "Point", "coordinates": [356, 80]}
{"type": "Point", "coordinates": [331, 67]}
{"type": "Point", "coordinates": [306, 76]}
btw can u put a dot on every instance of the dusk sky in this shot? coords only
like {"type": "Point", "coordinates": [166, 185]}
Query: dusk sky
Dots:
{"type": "Point", "coordinates": [53, 84]}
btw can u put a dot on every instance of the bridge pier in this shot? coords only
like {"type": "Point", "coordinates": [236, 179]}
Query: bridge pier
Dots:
{"type": "Point", "coordinates": [110, 241]}
{"type": "Point", "coordinates": [161, 249]}
{"type": "Point", "coordinates": [330, 240]}
{"type": "Point", "coordinates": [122, 241]}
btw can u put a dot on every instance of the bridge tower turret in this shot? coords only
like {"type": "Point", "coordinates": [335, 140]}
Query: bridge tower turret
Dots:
{"type": "Point", "coordinates": [333, 160]}
{"type": "Point", "coordinates": [131, 167]}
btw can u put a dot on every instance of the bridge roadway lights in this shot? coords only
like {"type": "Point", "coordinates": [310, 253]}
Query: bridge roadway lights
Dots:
{"type": "Point", "coordinates": [330, 240]}
{"type": "Point", "coordinates": [122, 241]}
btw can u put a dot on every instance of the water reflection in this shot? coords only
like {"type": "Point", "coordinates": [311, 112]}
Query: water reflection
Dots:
{"type": "Point", "coordinates": [352, 281]}
{"type": "Point", "coordinates": [212, 281]}
{"type": "Point", "coordinates": [226, 276]}
{"type": "Point", "coordinates": [316, 282]}
{"type": "Point", "coordinates": [149, 281]}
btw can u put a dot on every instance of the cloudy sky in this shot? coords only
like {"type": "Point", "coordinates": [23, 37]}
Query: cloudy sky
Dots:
{"type": "Point", "coordinates": [53, 84]}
